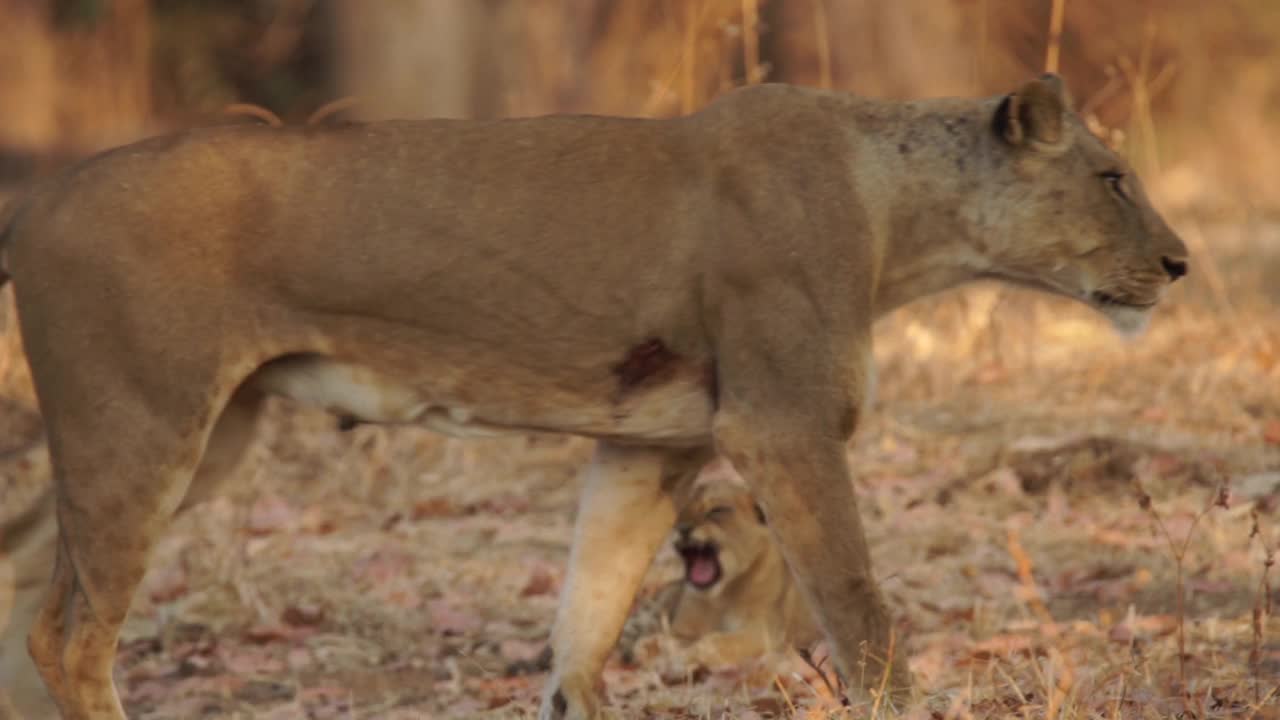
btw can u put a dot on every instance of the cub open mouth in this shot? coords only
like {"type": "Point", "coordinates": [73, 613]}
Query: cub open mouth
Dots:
{"type": "Point", "coordinates": [701, 564]}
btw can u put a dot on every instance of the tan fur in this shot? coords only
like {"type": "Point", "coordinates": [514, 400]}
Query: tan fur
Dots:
{"type": "Point", "coordinates": [675, 288]}
{"type": "Point", "coordinates": [28, 539]}
{"type": "Point", "coordinates": [753, 610]}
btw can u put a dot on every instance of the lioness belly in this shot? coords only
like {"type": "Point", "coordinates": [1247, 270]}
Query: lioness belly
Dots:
{"type": "Point", "coordinates": [677, 412]}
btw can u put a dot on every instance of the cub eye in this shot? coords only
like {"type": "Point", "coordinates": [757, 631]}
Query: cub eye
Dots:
{"type": "Point", "coordinates": [719, 511]}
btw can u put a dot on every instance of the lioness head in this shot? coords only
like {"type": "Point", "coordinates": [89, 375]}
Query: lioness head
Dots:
{"type": "Point", "coordinates": [1068, 215]}
{"type": "Point", "coordinates": [720, 534]}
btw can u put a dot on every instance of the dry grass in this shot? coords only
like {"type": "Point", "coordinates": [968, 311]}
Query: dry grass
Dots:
{"type": "Point", "coordinates": [395, 574]}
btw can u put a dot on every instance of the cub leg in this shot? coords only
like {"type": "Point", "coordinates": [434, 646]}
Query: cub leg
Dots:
{"type": "Point", "coordinates": [719, 649]}
{"type": "Point", "coordinates": [628, 506]}
{"type": "Point", "coordinates": [31, 547]}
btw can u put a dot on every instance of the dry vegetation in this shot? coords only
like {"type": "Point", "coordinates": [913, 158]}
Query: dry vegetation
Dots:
{"type": "Point", "coordinates": [1071, 525]}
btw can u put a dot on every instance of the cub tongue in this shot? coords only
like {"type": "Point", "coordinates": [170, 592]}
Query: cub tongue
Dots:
{"type": "Point", "coordinates": [702, 570]}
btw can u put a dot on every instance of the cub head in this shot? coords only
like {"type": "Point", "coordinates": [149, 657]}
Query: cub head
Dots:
{"type": "Point", "coordinates": [720, 534]}
{"type": "Point", "coordinates": [1064, 213]}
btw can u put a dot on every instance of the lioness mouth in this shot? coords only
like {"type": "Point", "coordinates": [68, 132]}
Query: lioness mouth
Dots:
{"type": "Point", "coordinates": [701, 564]}
{"type": "Point", "coordinates": [1108, 300]}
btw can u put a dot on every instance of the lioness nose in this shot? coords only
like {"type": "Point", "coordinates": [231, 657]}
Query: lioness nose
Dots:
{"type": "Point", "coordinates": [1175, 267]}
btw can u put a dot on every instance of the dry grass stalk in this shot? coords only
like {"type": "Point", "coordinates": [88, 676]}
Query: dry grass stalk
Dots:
{"type": "Point", "coordinates": [1054, 49]}
{"type": "Point", "coordinates": [1057, 688]}
{"type": "Point", "coordinates": [689, 51]}
{"type": "Point", "coordinates": [1220, 498]}
{"type": "Point", "coordinates": [822, 42]}
{"type": "Point", "coordinates": [1261, 605]}
{"type": "Point", "coordinates": [751, 42]}
{"type": "Point", "coordinates": [836, 689]}
{"type": "Point", "coordinates": [884, 674]}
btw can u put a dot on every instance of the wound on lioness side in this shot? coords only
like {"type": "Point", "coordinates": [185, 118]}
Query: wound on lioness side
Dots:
{"type": "Point", "coordinates": [649, 362]}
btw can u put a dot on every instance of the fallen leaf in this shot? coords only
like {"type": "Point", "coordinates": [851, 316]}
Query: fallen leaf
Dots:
{"type": "Point", "coordinates": [251, 660]}
{"type": "Point", "coordinates": [406, 598]}
{"type": "Point", "coordinates": [439, 506]}
{"type": "Point", "coordinates": [298, 658]}
{"type": "Point", "coordinates": [263, 692]}
{"type": "Point", "coordinates": [264, 633]}
{"type": "Point", "coordinates": [303, 614]}
{"type": "Point", "coordinates": [317, 520]}
{"type": "Point", "coordinates": [1271, 431]}
{"type": "Point", "coordinates": [505, 504]}
{"type": "Point", "coordinates": [1004, 645]}
{"type": "Point", "coordinates": [520, 651]}
{"type": "Point", "coordinates": [1143, 626]}
{"type": "Point", "coordinates": [270, 513]}
{"type": "Point", "coordinates": [381, 566]}
{"type": "Point", "coordinates": [449, 619]}
{"type": "Point", "coordinates": [542, 581]}
{"type": "Point", "coordinates": [167, 584]}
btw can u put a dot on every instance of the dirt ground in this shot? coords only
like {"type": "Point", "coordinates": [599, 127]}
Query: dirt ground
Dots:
{"type": "Point", "coordinates": [395, 574]}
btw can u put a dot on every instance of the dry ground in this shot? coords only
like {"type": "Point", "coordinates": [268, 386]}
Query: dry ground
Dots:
{"type": "Point", "coordinates": [394, 574]}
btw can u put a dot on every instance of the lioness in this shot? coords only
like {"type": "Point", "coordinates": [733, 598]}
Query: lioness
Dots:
{"type": "Point", "coordinates": [675, 288]}
{"type": "Point", "coordinates": [736, 601]}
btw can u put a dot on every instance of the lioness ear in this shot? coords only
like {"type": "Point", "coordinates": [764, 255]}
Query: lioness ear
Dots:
{"type": "Point", "coordinates": [759, 512]}
{"type": "Point", "coordinates": [1035, 117]}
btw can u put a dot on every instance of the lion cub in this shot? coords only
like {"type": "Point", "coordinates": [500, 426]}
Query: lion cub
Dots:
{"type": "Point", "coordinates": [736, 601]}
{"type": "Point", "coordinates": [28, 541]}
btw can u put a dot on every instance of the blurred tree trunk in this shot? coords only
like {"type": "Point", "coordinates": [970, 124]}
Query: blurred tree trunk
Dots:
{"type": "Point", "coordinates": [419, 58]}
{"type": "Point", "coordinates": [904, 49]}
{"type": "Point", "coordinates": [74, 74]}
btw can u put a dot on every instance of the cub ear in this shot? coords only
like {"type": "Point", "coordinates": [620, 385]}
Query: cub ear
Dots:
{"type": "Point", "coordinates": [759, 513]}
{"type": "Point", "coordinates": [1035, 117]}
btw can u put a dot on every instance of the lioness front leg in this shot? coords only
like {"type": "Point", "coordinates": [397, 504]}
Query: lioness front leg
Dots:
{"type": "Point", "coordinates": [628, 505]}
{"type": "Point", "coordinates": [792, 379]}
{"type": "Point", "coordinates": [803, 484]}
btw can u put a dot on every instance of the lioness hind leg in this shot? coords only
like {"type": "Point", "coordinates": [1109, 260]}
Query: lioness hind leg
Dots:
{"type": "Point", "coordinates": [102, 558]}
{"type": "Point", "coordinates": [227, 446]}
{"type": "Point", "coordinates": [37, 552]}
{"type": "Point", "coordinates": [628, 506]}
{"type": "Point", "coordinates": [116, 493]}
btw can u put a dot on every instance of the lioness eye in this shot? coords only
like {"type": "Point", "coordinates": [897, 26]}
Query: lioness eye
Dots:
{"type": "Point", "coordinates": [1115, 179]}
{"type": "Point", "coordinates": [719, 511]}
